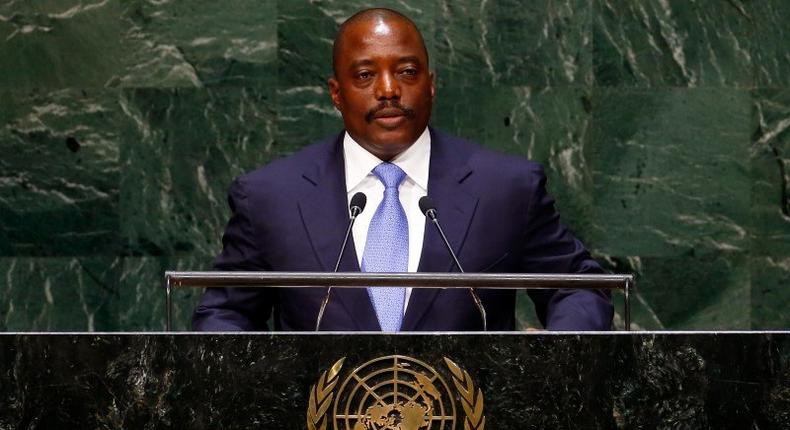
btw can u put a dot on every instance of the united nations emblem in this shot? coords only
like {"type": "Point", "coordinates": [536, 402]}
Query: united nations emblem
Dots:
{"type": "Point", "coordinates": [395, 393]}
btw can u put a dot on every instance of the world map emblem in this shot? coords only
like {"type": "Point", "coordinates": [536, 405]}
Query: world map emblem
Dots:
{"type": "Point", "coordinates": [395, 392]}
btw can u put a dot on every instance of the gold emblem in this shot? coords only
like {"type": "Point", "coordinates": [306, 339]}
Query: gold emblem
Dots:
{"type": "Point", "coordinates": [395, 393]}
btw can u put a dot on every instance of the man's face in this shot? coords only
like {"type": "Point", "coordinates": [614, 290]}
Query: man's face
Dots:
{"type": "Point", "coordinates": [382, 85]}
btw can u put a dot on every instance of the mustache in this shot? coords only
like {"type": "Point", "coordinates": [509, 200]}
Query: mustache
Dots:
{"type": "Point", "coordinates": [394, 104]}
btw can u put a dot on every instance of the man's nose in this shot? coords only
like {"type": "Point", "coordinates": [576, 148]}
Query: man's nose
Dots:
{"type": "Point", "coordinates": [387, 87]}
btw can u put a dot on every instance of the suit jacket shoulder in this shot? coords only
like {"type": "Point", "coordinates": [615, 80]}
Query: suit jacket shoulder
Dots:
{"type": "Point", "coordinates": [291, 169]}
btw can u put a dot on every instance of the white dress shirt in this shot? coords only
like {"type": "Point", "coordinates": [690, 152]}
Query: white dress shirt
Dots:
{"type": "Point", "coordinates": [414, 161]}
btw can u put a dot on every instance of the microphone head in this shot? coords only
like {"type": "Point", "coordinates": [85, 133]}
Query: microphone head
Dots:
{"type": "Point", "coordinates": [426, 204]}
{"type": "Point", "coordinates": [358, 201]}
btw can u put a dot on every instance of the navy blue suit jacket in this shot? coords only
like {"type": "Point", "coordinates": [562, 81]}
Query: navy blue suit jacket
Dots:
{"type": "Point", "coordinates": [291, 215]}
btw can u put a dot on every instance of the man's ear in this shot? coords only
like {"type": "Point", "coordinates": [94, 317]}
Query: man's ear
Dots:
{"type": "Point", "coordinates": [433, 85]}
{"type": "Point", "coordinates": [334, 92]}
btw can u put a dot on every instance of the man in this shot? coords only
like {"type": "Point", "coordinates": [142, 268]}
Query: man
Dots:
{"type": "Point", "coordinates": [291, 214]}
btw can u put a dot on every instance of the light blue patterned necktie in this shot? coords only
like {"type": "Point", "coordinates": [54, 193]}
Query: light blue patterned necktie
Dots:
{"type": "Point", "coordinates": [387, 248]}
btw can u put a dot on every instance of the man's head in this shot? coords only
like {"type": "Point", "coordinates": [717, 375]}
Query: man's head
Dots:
{"type": "Point", "coordinates": [382, 85]}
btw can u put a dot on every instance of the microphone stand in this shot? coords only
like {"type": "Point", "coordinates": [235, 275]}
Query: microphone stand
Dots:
{"type": "Point", "coordinates": [430, 212]}
{"type": "Point", "coordinates": [357, 205]}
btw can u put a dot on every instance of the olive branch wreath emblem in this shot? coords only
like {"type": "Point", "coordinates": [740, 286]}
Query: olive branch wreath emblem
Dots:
{"type": "Point", "coordinates": [322, 394]}
{"type": "Point", "coordinates": [471, 402]}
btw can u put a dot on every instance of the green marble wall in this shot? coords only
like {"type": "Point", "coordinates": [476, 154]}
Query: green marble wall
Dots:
{"type": "Point", "coordinates": [664, 126]}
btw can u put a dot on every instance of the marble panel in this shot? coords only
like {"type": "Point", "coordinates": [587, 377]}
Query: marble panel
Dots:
{"type": "Point", "coordinates": [137, 43]}
{"type": "Point", "coordinates": [659, 43]}
{"type": "Point", "coordinates": [770, 298]}
{"type": "Point", "coordinates": [641, 313]}
{"type": "Point", "coordinates": [536, 43]}
{"type": "Point", "coordinates": [532, 381]}
{"type": "Point", "coordinates": [526, 317]}
{"type": "Point", "coordinates": [141, 294]}
{"type": "Point", "coordinates": [59, 293]}
{"type": "Point", "coordinates": [305, 114]}
{"type": "Point", "coordinates": [551, 126]}
{"type": "Point", "coordinates": [94, 293]}
{"type": "Point", "coordinates": [690, 292]}
{"type": "Point", "coordinates": [770, 171]}
{"type": "Point", "coordinates": [186, 148]}
{"type": "Point", "coordinates": [670, 171]}
{"type": "Point", "coordinates": [770, 50]}
{"type": "Point", "coordinates": [56, 44]}
{"type": "Point", "coordinates": [680, 382]}
{"type": "Point", "coordinates": [774, 403]}
{"type": "Point", "coordinates": [59, 172]}
{"type": "Point", "coordinates": [199, 43]}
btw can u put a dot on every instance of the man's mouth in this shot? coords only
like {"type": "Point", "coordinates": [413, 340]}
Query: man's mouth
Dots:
{"type": "Point", "coordinates": [390, 122]}
{"type": "Point", "coordinates": [389, 117]}
{"type": "Point", "coordinates": [389, 113]}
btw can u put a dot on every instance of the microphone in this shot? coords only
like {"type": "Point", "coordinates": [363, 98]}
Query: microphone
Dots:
{"type": "Point", "coordinates": [356, 207]}
{"type": "Point", "coordinates": [429, 210]}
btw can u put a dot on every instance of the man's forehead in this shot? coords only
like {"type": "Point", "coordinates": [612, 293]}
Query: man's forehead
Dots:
{"type": "Point", "coordinates": [382, 37]}
{"type": "Point", "coordinates": [380, 30]}
{"type": "Point", "coordinates": [377, 30]}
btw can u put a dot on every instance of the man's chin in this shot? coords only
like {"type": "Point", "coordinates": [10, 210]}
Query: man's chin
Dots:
{"type": "Point", "coordinates": [386, 149]}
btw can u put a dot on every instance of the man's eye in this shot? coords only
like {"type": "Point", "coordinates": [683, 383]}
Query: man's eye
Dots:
{"type": "Point", "coordinates": [363, 75]}
{"type": "Point", "coordinates": [409, 72]}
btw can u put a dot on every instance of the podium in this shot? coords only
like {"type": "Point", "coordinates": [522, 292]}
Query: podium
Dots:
{"type": "Point", "coordinates": [466, 281]}
{"type": "Point", "coordinates": [534, 380]}
{"type": "Point", "coordinates": [360, 381]}
{"type": "Point", "coordinates": [389, 389]}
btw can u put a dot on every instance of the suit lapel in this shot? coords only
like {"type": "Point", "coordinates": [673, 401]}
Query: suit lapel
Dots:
{"type": "Point", "coordinates": [325, 216]}
{"type": "Point", "coordinates": [455, 208]}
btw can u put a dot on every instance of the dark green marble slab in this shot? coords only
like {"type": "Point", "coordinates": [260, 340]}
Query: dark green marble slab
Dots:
{"type": "Point", "coordinates": [141, 295]}
{"type": "Point", "coordinates": [59, 294]}
{"type": "Point", "coordinates": [770, 278]}
{"type": "Point", "coordinates": [537, 381]}
{"type": "Point", "coordinates": [657, 43]}
{"type": "Point", "coordinates": [186, 147]}
{"type": "Point", "coordinates": [94, 293]}
{"type": "Point", "coordinates": [770, 171]}
{"type": "Point", "coordinates": [550, 126]}
{"type": "Point", "coordinates": [672, 203]}
{"type": "Point", "coordinates": [702, 292]}
{"type": "Point", "coordinates": [60, 167]}
{"type": "Point", "coordinates": [536, 43]}
{"type": "Point", "coordinates": [670, 171]}
{"type": "Point", "coordinates": [58, 44]}
{"type": "Point", "coordinates": [770, 208]}
{"type": "Point", "coordinates": [305, 114]}
{"type": "Point", "coordinates": [200, 43]}
{"type": "Point", "coordinates": [771, 51]}
{"type": "Point", "coordinates": [526, 317]}
{"type": "Point", "coordinates": [136, 43]}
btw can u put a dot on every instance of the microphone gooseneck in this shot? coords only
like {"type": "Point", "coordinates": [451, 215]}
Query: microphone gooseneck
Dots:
{"type": "Point", "coordinates": [355, 208]}
{"type": "Point", "coordinates": [429, 210]}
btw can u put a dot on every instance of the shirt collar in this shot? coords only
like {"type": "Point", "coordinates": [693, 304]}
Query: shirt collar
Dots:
{"type": "Point", "coordinates": [415, 161]}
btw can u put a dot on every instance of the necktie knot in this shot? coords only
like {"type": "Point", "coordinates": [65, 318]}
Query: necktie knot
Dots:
{"type": "Point", "coordinates": [389, 174]}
